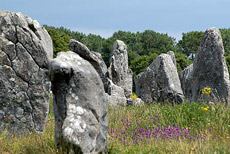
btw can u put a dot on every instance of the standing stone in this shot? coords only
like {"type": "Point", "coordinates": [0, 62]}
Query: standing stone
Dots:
{"type": "Point", "coordinates": [210, 70]}
{"type": "Point", "coordinates": [119, 72]}
{"type": "Point", "coordinates": [159, 82]}
{"type": "Point", "coordinates": [115, 94]}
{"type": "Point", "coordinates": [186, 79]}
{"type": "Point", "coordinates": [129, 83]}
{"type": "Point", "coordinates": [25, 51]}
{"type": "Point", "coordinates": [80, 106]}
{"type": "Point", "coordinates": [94, 58]}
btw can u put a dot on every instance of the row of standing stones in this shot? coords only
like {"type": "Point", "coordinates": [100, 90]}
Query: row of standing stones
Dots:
{"type": "Point", "coordinates": [82, 85]}
{"type": "Point", "coordinates": [160, 81]}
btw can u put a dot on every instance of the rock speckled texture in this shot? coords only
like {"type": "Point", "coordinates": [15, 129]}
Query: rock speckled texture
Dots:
{"type": "Point", "coordinates": [171, 53]}
{"type": "Point", "coordinates": [159, 82]}
{"type": "Point", "coordinates": [94, 58]}
{"type": "Point", "coordinates": [116, 92]}
{"type": "Point", "coordinates": [209, 70]}
{"type": "Point", "coordinates": [119, 72]}
{"type": "Point", "coordinates": [80, 106]}
{"type": "Point", "coordinates": [116, 95]}
{"type": "Point", "coordinates": [25, 51]}
{"type": "Point", "coordinates": [186, 78]}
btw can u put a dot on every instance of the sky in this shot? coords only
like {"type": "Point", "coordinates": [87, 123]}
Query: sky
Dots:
{"type": "Point", "coordinates": [104, 17]}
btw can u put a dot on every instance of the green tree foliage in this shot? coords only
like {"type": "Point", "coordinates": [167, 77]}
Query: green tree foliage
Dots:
{"type": "Point", "coordinates": [227, 59]}
{"type": "Point", "coordinates": [60, 40]}
{"type": "Point", "coordinates": [73, 34]}
{"type": "Point", "coordinates": [225, 34]}
{"type": "Point", "coordinates": [190, 42]}
{"type": "Point", "coordinates": [181, 61]}
{"type": "Point", "coordinates": [143, 47]}
{"type": "Point", "coordinates": [140, 63]}
{"type": "Point", "coordinates": [153, 42]}
{"type": "Point", "coordinates": [94, 42]}
{"type": "Point", "coordinates": [107, 46]}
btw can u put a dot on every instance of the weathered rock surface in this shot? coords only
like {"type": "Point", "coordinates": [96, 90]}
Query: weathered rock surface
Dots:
{"type": "Point", "coordinates": [94, 58]}
{"type": "Point", "coordinates": [25, 51]}
{"type": "Point", "coordinates": [186, 79]}
{"type": "Point", "coordinates": [116, 95]}
{"type": "Point", "coordinates": [209, 70]}
{"type": "Point", "coordinates": [171, 53]}
{"type": "Point", "coordinates": [79, 104]}
{"type": "Point", "coordinates": [135, 102]}
{"type": "Point", "coordinates": [119, 72]}
{"type": "Point", "coordinates": [159, 82]}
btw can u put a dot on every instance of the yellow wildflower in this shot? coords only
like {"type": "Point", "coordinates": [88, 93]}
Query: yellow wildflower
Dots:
{"type": "Point", "coordinates": [205, 109]}
{"type": "Point", "coordinates": [206, 91]}
{"type": "Point", "coordinates": [180, 108]}
{"type": "Point", "coordinates": [133, 96]}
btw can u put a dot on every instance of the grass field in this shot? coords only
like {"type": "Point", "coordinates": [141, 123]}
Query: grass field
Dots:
{"type": "Point", "coordinates": [186, 128]}
{"type": "Point", "coordinates": [152, 128]}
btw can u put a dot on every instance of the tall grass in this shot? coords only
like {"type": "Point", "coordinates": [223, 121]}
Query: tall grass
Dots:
{"type": "Point", "coordinates": [157, 127]}
{"type": "Point", "coordinates": [210, 126]}
{"type": "Point", "coordinates": [31, 143]}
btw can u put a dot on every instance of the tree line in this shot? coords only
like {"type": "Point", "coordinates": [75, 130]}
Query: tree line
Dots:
{"type": "Point", "coordinates": [143, 47]}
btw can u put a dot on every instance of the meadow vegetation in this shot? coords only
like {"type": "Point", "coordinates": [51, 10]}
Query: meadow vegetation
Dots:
{"type": "Point", "coordinates": [152, 128]}
{"type": "Point", "coordinates": [159, 128]}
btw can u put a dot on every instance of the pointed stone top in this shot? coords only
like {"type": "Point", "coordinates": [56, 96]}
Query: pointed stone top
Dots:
{"type": "Point", "coordinates": [210, 55]}
{"type": "Point", "coordinates": [212, 30]}
{"type": "Point", "coordinates": [119, 42]}
{"type": "Point", "coordinates": [2, 13]}
{"type": "Point", "coordinates": [212, 36]}
{"type": "Point", "coordinates": [119, 45]}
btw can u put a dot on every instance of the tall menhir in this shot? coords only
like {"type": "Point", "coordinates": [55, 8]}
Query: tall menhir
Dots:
{"type": "Point", "coordinates": [25, 51]}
